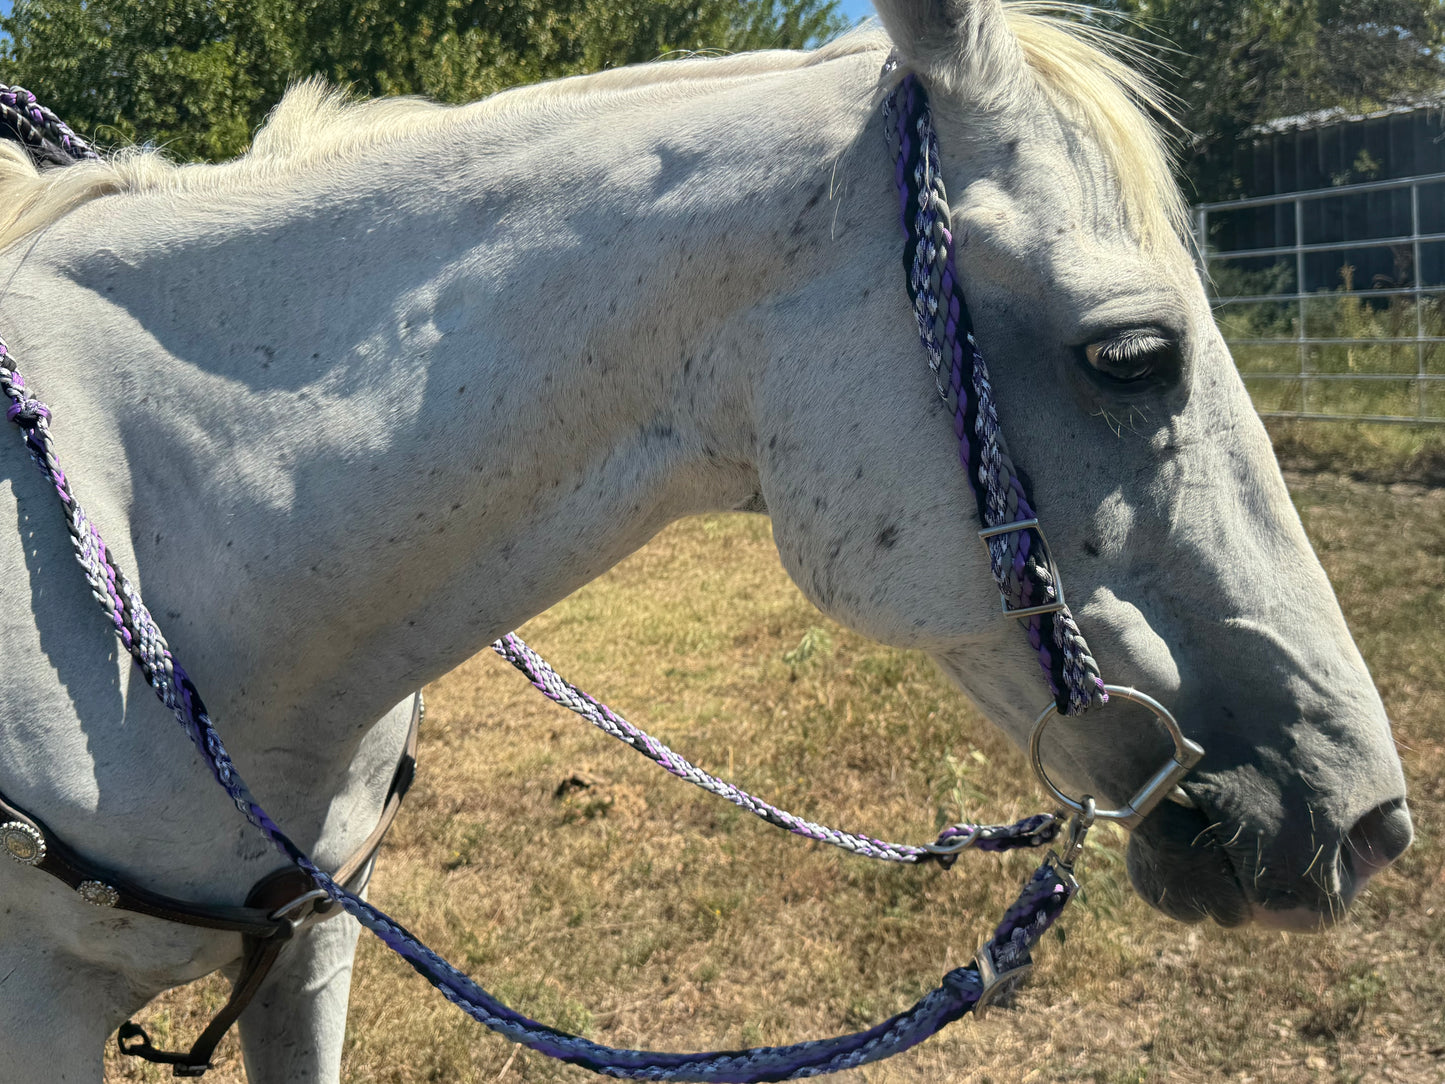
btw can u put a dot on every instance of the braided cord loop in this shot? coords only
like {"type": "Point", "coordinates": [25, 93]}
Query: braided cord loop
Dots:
{"type": "Point", "coordinates": [1039, 904]}
{"type": "Point", "coordinates": [961, 376]}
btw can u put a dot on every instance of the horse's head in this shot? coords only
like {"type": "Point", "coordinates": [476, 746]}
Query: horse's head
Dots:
{"type": "Point", "coordinates": [1180, 552]}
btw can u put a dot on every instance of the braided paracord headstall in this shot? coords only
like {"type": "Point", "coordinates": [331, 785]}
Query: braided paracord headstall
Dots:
{"type": "Point", "coordinates": [48, 138]}
{"type": "Point", "coordinates": [1019, 559]}
{"type": "Point", "coordinates": [1003, 958]}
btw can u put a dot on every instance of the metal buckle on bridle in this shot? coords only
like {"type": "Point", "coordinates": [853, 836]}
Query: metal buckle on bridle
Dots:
{"type": "Point", "coordinates": [1163, 784]}
{"type": "Point", "coordinates": [287, 911]}
{"type": "Point", "coordinates": [990, 533]}
{"type": "Point", "coordinates": [947, 853]}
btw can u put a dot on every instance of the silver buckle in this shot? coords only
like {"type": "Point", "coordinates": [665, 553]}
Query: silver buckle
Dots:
{"type": "Point", "coordinates": [1001, 968]}
{"type": "Point", "coordinates": [1163, 784]}
{"type": "Point", "coordinates": [954, 846]}
{"type": "Point", "coordinates": [1029, 525]}
{"type": "Point", "coordinates": [287, 910]}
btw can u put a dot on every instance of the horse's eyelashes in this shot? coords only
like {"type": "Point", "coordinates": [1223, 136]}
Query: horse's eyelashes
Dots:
{"type": "Point", "coordinates": [1130, 355]}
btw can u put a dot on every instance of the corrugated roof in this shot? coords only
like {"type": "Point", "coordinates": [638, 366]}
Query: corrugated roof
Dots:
{"type": "Point", "coordinates": [1323, 118]}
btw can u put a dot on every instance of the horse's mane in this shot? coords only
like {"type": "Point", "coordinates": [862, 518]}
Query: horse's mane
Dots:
{"type": "Point", "coordinates": [1083, 68]}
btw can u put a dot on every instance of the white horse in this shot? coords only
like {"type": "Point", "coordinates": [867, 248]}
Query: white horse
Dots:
{"type": "Point", "coordinates": [403, 376]}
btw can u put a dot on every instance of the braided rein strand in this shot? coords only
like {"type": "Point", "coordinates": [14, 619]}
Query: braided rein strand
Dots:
{"type": "Point", "coordinates": [1023, 572]}
{"type": "Point", "coordinates": [32, 125]}
{"type": "Point", "coordinates": [1035, 831]}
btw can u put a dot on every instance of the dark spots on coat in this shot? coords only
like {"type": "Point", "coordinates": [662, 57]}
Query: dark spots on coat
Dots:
{"type": "Point", "coordinates": [813, 200]}
{"type": "Point", "coordinates": [858, 474]}
{"type": "Point", "coordinates": [888, 537]}
{"type": "Point", "coordinates": [1091, 548]}
{"type": "Point", "coordinates": [686, 366]}
{"type": "Point", "coordinates": [462, 390]}
{"type": "Point", "coordinates": [772, 442]}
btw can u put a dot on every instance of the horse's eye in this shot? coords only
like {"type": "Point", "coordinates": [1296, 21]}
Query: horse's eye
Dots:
{"type": "Point", "coordinates": [1131, 357]}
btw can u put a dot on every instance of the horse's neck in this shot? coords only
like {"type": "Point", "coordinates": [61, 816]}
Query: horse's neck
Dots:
{"type": "Point", "coordinates": [392, 417]}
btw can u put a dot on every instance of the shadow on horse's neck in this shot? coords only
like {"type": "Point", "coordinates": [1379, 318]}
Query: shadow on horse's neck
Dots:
{"type": "Point", "coordinates": [399, 420]}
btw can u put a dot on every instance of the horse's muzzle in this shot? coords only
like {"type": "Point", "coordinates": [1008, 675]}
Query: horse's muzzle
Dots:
{"type": "Point", "coordinates": [1185, 863]}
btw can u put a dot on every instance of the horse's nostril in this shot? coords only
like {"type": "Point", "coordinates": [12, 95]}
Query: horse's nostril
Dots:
{"type": "Point", "coordinates": [1380, 836]}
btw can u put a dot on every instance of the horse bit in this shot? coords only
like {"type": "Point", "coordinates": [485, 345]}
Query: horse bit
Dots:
{"type": "Point", "coordinates": [1030, 590]}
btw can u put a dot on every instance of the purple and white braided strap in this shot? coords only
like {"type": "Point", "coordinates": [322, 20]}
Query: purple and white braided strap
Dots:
{"type": "Point", "coordinates": [39, 130]}
{"type": "Point", "coordinates": [945, 328]}
{"type": "Point", "coordinates": [1040, 903]}
{"type": "Point", "coordinates": [1035, 831]}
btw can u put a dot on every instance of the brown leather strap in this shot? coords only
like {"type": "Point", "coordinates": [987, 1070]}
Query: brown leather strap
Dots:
{"type": "Point", "coordinates": [41, 848]}
{"type": "Point", "coordinates": [400, 783]}
{"type": "Point", "coordinates": [280, 904]}
{"type": "Point", "coordinates": [290, 901]}
{"type": "Point", "coordinates": [273, 895]}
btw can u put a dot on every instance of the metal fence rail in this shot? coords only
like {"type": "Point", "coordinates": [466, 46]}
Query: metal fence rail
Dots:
{"type": "Point", "coordinates": [1292, 259]}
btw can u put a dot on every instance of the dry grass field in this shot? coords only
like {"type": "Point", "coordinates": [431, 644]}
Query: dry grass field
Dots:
{"type": "Point", "coordinates": [589, 889]}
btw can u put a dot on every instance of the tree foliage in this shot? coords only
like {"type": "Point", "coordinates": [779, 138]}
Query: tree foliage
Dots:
{"type": "Point", "coordinates": [199, 75]}
{"type": "Point", "coordinates": [1234, 64]}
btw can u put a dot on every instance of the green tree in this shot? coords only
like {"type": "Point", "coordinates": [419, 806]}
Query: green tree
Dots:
{"type": "Point", "coordinates": [1236, 63]}
{"type": "Point", "coordinates": [198, 76]}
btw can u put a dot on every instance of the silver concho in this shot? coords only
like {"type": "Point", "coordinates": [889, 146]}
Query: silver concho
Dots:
{"type": "Point", "coordinates": [22, 843]}
{"type": "Point", "coordinates": [98, 893]}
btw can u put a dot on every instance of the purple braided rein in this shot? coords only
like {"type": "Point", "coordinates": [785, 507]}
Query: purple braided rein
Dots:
{"type": "Point", "coordinates": [1036, 831]}
{"type": "Point", "coordinates": [1002, 959]}
{"type": "Point", "coordinates": [47, 137]}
